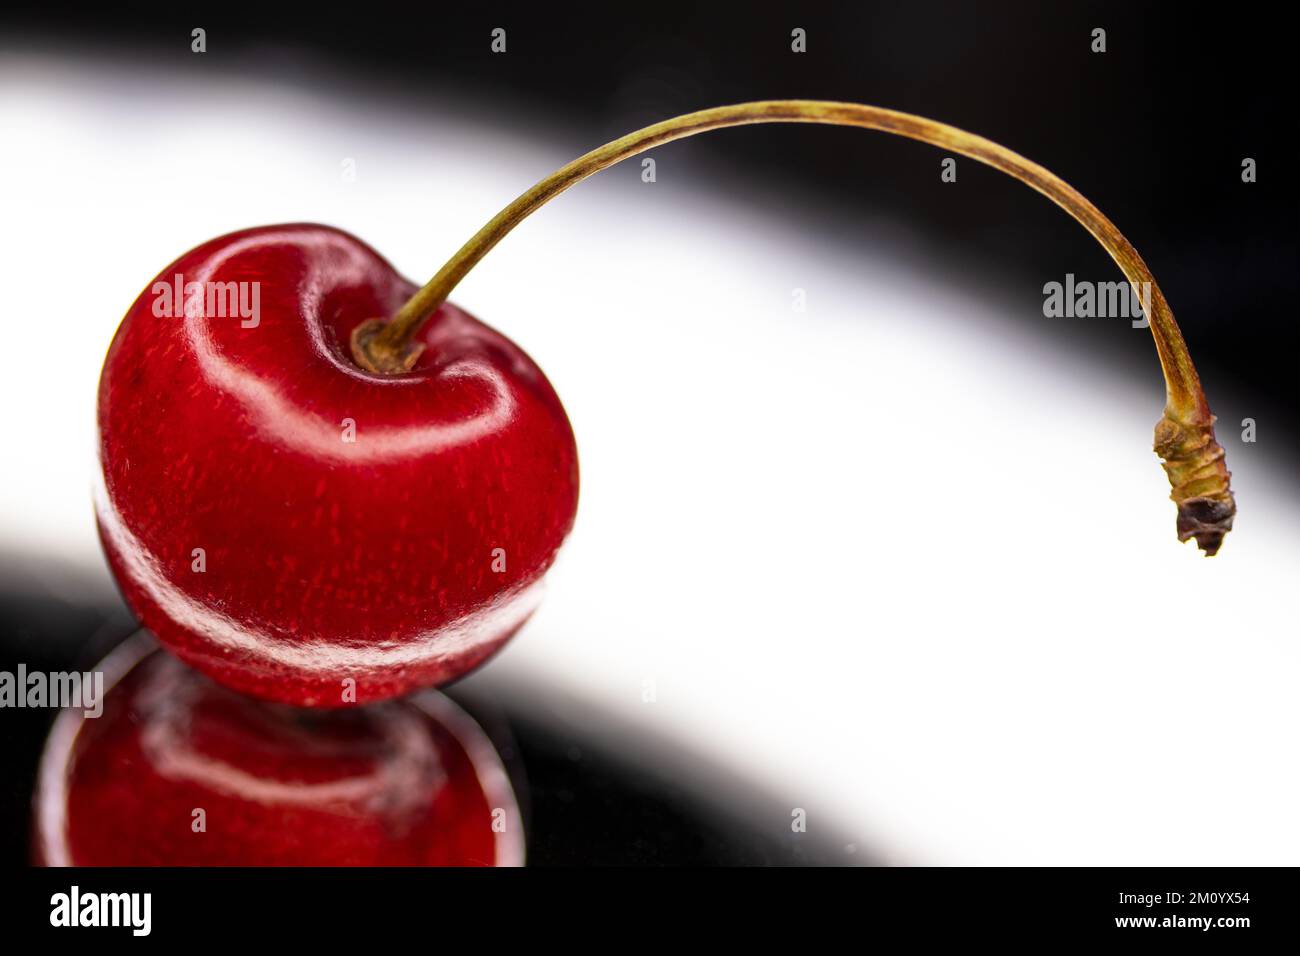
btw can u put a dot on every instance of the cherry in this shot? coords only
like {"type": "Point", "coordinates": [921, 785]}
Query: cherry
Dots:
{"type": "Point", "coordinates": [179, 771]}
{"type": "Point", "coordinates": [323, 486]}
{"type": "Point", "coordinates": [303, 529]}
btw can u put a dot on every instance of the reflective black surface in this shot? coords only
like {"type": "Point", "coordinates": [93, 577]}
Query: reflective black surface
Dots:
{"type": "Point", "coordinates": [585, 800]}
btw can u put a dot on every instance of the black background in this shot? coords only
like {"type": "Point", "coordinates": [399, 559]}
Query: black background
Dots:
{"type": "Point", "coordinates": [1153, 131]}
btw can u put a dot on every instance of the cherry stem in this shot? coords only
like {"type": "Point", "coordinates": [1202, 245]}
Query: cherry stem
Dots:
{"type": "Point", "coordinates": [1193, 457]}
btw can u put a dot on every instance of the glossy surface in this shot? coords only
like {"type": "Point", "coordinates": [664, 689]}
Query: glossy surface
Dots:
{"type": "Point", "coordinates": [358, 532]}
{"type": "Point", "coordinates": [180, 771]}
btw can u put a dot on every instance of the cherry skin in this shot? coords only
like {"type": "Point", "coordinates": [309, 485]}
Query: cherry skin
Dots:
{"type": "Point", "coordinates": [179, 771]}
{"type": "Point", "coordinates": [297, 527]}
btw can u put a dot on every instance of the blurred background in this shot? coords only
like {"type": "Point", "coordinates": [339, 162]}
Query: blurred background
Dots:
{"type": "Point", "coordinates": [826, 558]}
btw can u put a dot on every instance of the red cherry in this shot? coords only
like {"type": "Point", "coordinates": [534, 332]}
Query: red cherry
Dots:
{"type": "Point", "coordinates": [179, 771]}
{"type": "Point", "coordinates": [289, 523]}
